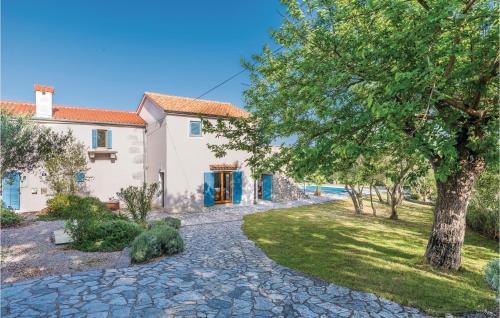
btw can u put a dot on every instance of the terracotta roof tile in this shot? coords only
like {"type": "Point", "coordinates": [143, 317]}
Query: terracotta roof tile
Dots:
{"type": "Point", "coordinates": [76, 113]}
{"type": "Point", "coordinates": [196, 106]}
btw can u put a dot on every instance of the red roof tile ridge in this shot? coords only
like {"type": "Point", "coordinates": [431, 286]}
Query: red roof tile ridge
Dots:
{"type": "Point", "coordinates": [16, 102]}
{"type": "Point", "coordinates": [72, 107]}
{"type": "Point", "coordinates": [189, 98]}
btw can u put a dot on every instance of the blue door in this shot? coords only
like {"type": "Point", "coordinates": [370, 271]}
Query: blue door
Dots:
{"type": "Point", "coordinates": [208, 188]}
{"type": "Point", "coordinates": [11, 195]}
{"type": "Point", "coordinates": [237, 186]}
{"type": "Point", "coordinates": [267, 187]}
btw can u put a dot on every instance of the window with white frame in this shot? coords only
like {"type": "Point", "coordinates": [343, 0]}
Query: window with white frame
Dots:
{"type": "Point", "coordinates": [195, 128]}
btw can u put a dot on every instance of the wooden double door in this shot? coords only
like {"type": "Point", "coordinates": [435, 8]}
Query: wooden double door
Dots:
{"type": "Point", "coordinates": [223, 187]}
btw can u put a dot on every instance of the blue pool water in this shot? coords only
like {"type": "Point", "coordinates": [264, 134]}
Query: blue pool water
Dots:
{"type": "Point", "coordinates": [326, 189]}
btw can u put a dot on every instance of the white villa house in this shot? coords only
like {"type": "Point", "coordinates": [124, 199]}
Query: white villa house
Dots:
{"type": "Point", "coordinates": [161, 142]}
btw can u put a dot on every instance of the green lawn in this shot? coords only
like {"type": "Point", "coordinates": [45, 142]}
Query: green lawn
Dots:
{"type": "Point", "coordinates": [375, 254]}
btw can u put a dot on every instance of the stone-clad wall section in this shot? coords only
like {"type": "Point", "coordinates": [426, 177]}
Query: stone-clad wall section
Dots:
{"type": "Point", "coordinates": [285, 190]}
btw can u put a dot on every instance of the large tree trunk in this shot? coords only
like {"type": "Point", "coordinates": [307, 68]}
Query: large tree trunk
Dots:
{"type": "Point", "coordinates": [448, 230]}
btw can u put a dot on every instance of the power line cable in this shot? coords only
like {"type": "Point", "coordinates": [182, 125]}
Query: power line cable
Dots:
{"type": "Point", "coordinates": [243, 70]}
{"type": "Point", "coordinates": [233, 76]}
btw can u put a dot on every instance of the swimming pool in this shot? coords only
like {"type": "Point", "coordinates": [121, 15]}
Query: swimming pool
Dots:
{"type": "Point", "coordinates": [326, 189]}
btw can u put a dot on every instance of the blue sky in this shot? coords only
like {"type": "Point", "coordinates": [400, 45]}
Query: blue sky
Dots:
{"type": "Point", "coordinates": [105, 54]}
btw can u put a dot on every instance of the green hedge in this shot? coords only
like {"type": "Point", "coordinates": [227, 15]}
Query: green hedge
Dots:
{"type": "Point", "coordinates": [483, 221]}
{"type": "Point", "coordinates": [161, 239]}
{"type": "Point", "coordinates": [482, 215]}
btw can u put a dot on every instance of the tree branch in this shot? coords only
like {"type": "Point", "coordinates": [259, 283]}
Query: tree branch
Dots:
{"type": "Point", "coordinates": [483, 81]}
{"type": "Point", "coordinates": [461, 106]}
{"type": "Point", "coordinates": [424, 4]}
{"type": "Point", "coordinates": [468, 5]}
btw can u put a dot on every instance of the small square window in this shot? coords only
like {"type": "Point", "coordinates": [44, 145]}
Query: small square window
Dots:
{"type": "Point", "coordinates": [195, 128]}
{"type": "Point", "coordinates": [102, 136]}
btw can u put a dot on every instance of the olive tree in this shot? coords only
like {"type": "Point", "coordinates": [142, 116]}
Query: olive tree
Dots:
{"type": "Point", "coordinates": [25, 145]}
{"type": "Point", "coordinates": [66, 170]}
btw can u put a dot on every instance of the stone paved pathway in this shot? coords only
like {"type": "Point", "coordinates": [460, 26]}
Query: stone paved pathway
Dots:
{"type": "Point", "coordinates": [220, 274]}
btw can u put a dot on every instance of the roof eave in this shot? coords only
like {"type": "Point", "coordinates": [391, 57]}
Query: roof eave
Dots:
{"type": "Point", "coordinates": [61, 120]}
{"type": "Point", "coordinates": [191, 114]}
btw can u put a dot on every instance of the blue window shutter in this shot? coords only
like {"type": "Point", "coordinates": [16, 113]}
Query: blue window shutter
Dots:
{"type": "Point", "coordinates": [94, 138]}
{"type": "Point", "coordinates": [237, 186]}
{"type": "Point", "coordinates": [208, 189]}
{"type": "Point", "coordinates": [267, 187]}
{"type": "Point", "coordinates": [11, 194]}
{"type": "Point", "coordinates": [80, 177]}
{"type": "Point", "coordinates": [110, 139]}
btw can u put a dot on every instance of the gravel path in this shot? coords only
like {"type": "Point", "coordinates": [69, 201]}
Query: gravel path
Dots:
{"type": "Point", "coordinates": [28, 252]}
{"type": "Point", "coordinates": [220, 274]}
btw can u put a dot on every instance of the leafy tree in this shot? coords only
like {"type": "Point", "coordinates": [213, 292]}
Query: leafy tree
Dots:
{"type": "Point", "coordinates": [318, 179]}
{"type": "Point", "coordinates": [424, 72]}
{"type": "Point", "coordinates": [354, 175]}
{"type": "Point", "coordinates": [398, 171]}
{"type": "Point", "coordinates": [374, 175]}
{"type": "Point", "coordinates": [424, 186]}
{"type": "Point", "coordinates": [26, 144]}
{"type": "Point", "coordinates": [66, 170]}
{"type": "Point", "coordinates": [242, 134]}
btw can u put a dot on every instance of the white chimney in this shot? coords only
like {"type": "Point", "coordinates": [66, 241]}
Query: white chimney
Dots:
{"type": "Point", "coordinates": [43, 97]}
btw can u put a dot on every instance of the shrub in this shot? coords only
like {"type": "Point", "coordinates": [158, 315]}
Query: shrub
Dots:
{"type": "Point", "coordinates": [144, 247]}
{"type": "Point", "coordinates": [138, 200]}
{"type": "Point", "coordinates": [482, 215]}
{"type": "Point", "coordinates": [160, 240]}
{"type": "Point", "coordinates": [8, 217]}
{"type": "Point", "coordinates": [65, 206]}
{"type": "Point", "coordinates": [492, 274]}
{"type": "Point", "coordinates": [84, 222]}
{"type": "Point", "coordinates": [94, 228]}
{"type": "Point", "coordinates": [483, 221]}
{"type": "Point", "coordinates": [170, 221]}
{"type": "Point", "coordinates": [169, 239]}
{"type": "Point", "coordinates": [107, 235]}
{"type": "Point", "coordinates": [60, 206]}
{"type": "Point", "coordinates": [95, 207]}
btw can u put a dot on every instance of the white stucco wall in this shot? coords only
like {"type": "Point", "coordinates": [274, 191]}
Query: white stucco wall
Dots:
{"type": "Point", "coordinates": [108, 176]}
{"type": "Point", "coordinates": [188, 158]}
{"type": "Point", "coordinates": [156, 145]}
{"type": "Point", "coordinates": [183, 159]}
